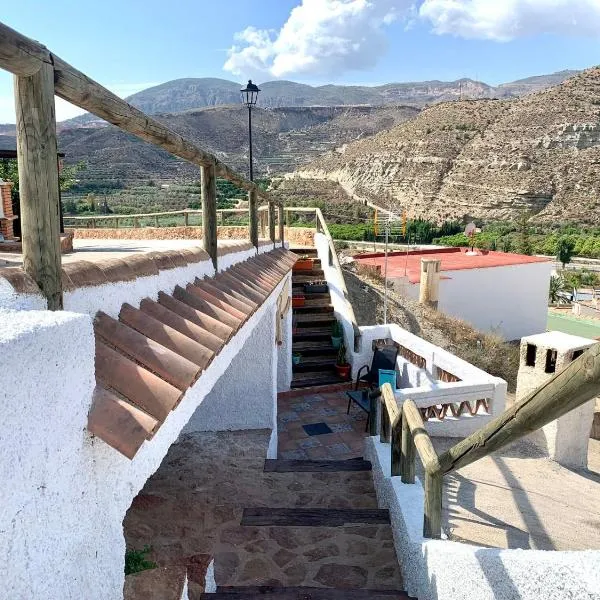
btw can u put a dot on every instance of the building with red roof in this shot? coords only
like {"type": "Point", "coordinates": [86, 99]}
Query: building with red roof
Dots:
{"type": "Point", "coordinates": [493, 291]}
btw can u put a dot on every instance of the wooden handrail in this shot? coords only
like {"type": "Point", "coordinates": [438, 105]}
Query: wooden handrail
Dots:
{"type": "Point", "coordinates": [321, 226]}
{"type": "Point", "coordinates": [568, 389]}
{"type": "Point", "coordinates": [23, 56]}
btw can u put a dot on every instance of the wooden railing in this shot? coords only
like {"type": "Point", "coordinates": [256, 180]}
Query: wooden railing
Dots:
{"type": "Point", "coordinates": [39, 76]}
{"type": "Point", "coordinates": [403, 427]}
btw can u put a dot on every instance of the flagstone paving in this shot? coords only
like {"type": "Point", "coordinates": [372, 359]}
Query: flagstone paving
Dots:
{"type": "Point", "coordinates": [193, 505]}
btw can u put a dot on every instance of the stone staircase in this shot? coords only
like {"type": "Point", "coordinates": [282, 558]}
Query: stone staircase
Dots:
{"type": "Point", "coordinates": [331, 545]}
{"type": "Point", "coordinates": [312, 329]}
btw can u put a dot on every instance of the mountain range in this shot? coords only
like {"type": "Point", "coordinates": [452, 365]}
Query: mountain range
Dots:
{"type": "Point", "coordinates": [192, 93]}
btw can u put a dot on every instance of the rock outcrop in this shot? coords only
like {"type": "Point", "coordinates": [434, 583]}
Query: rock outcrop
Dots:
{"type": "Point", "coordinates": [489, 159]}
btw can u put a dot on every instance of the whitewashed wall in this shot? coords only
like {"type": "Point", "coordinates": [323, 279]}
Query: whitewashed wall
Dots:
{"type": "Point", "coordinates": [66, 492]}
{"type": "Point", "coordinates": [440, 569]}
{"type": "Point", "coordinates": [335, 280]}
{"type": "Point", "coordinates": [425, 390]}
{"type": "Point", "coordinates": [511, 301]}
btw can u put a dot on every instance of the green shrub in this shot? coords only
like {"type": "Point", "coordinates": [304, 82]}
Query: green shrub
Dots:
{"type": "Point", "coordinates": [135, 561]}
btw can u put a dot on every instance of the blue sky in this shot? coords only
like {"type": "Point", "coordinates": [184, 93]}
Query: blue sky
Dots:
{"type": "Point", "coordinates": [129, 45]}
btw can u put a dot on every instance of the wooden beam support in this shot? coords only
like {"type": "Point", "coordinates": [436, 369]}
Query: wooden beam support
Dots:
{"type": "Point", "coordinates": [23, 56]}
{"type": "Point", "coordinates": [432, 518]}
{"type": "Point", "coordinates": [408, 453]}
{"type": "Point", "coordinates": [272, 220]}
{"type": "Point", "coordinates": [209, 212]}
{"type": "Point", "coordinates": [38, 181]}
{"type": "Point", "coordinates": [281, 224]}
{"type": "Point", "coordinates": [253, 210]}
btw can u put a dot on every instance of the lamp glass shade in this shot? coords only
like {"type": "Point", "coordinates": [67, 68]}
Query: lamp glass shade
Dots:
{"type": "Point", "coordinates": [250, 93]}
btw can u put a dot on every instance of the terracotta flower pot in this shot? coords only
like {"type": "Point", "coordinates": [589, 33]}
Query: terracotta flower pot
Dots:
{"type": "Point", "coordinates": [297, 301]}
{"type": "Point", "coordinates": [303, 264]}
{"type": "Point", "coordinates": [343, 371]}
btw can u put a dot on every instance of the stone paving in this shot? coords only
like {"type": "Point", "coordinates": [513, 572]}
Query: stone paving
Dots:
{"type": "Point", "coordinates": [193, 506]}
{"type": "Point", "coordinates": [346, 439]}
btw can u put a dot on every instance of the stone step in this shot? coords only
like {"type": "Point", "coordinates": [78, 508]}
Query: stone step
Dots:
{"type": "Point", "coordinates": [303, 593]}
{"type": "Point", "coordinates": [316, 466]}
{"type": "Point", "coordinates": [313, 517]}
{"type": "Point", "coordinates": [314, 378]}
{"type": "Point", "coordinates": [315, 363]}
{"type": "Point", "coordinates": [307, 318]}
{"type": "Point", "coordinates": [312, 333]}
{"type": "Point", "coordinates": [304, 251]}
{"type": "Point", "coordinates": [314, 348]}
{"type": "Point", "coordinates": [318, 305]}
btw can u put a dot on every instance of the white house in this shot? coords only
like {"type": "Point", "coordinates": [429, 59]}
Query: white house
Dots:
{"type": "Point", "coordinates": [493, 291]}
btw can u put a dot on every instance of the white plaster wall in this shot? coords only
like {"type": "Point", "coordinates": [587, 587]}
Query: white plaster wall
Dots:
{"type": "Point", "coordinates": [228, 260]}
{"type": "Point", "coordinates": [423, 388]}
{"type": "Point", "coordinates": [11, 300]}
{"type": "Point", "coordinates": [61, 517]}
{"type": "Point", "coordinates": [341, 307]}
{"type": "Point", "coordinates": [441, 569]}
{"type": "Point", "coordinates": [243, 398]}
{"type": "Point", "coordinates": [511, 300]}
{"type": "Point", "coordinates": [284, 352]}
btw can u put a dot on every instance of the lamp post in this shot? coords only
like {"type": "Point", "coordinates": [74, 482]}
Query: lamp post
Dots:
{"type": "Point", "coordinates": [249, 98]}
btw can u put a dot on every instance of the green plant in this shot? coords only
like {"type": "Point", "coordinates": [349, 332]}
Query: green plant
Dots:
{"type": "Point", "coordinates": [336, 329]}
{"type": "Point", "coordinates": [564, 250]}
{"type": "Point", "coordinates": [341, 356]}
{"type": "Point", "coordinates": [135, 561]}
{"type": "Point", "coordinates": [556, 285]}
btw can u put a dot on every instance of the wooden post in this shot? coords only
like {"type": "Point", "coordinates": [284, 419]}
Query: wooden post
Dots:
{"type": "Point", "coordinates": [272, 220]}
{"type": "Point", "coordinates": [209, 212]}
{"type": "Point", "coordinates": [186, 220]}
{"type": "Point", "coordinates": [432, 521]}
{"type": "Point", "coordinates": [430, 282]}
{"type": "Point", "coordinates": [253, 211]}
{"type": "Point", "coordinates": [156, 221]}
{"type": "Point", "coordinates": [384, 426]}
{"type": "Point", "coordinates": [281, 224]}
{"type": "Point", "coordinates": [373, 402]}
{"type": "Point", "coordinates": [222, 218]}
{"type": "Point", "coordinates": [38, 182]}
{"type": "Point", "coordinates": [136, 222]}
{"type": "Point", "coordinates": [408, 453]}
{"type": "Point", "coordinates": [116, 222]}
{"type": "Point", "coordinates": [397, 441]}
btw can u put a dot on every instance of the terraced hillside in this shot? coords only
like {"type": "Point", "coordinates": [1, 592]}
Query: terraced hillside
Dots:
{"type": "Point", "coordinates": [491, 159]}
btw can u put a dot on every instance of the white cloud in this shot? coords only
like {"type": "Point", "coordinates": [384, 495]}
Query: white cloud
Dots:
{"type": "Point", "coordinates": [504, 20]}
{"type": "Point", "coordinates": [320, 38]}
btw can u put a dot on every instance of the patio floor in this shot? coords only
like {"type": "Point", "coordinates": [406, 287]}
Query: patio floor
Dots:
{"type": "Point", "coordinates": [315, 426]}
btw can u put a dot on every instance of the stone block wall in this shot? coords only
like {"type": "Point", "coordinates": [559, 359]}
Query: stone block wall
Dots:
{"type": "Point", "coordinates": [6, 211]}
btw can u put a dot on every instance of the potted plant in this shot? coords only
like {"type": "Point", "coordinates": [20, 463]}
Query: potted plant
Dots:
{"type": "Point", "coordinates": [341, 365]}
{"type": "Point", "coordinates": [296, 358]}
{"type": "Point", "coordinates": [297, 301]}
{"type": "Point", "coordinates": [337, 334]}
{"type": "Point", "coordinates": [304, 263]}
{"type": "Point", "coordinates": [316, 287]}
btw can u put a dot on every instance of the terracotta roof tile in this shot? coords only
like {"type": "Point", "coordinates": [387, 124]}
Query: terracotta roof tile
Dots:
{"type": "Point", "coordinates": [203, 295]}
{"type": "Point", "coordinates": [116, 269]}
{"type": "Point", "coordinates": [194, 255]}
{"type": "Point", "coordinates": [142, 265]}
{"type": "Point", "coordinates": [84, 273]}
{"type": "Point", "coordinates": [118, 422]}
{"type": "Point", "coordinates": [204, 307]}
{"type": "Point", "coordinates": [230, 246]}
{"type": "Point", "coordinates": [19, 280]}
{"type": "Point", "coordinates": [174, 369]}
{"type": "Point", "coordinates": [151, 355]}
{"type": "Point", "coordinates": [141, 387]}
{"type": "Point", "coordinates": [211, 333]}
{"type": "Point", "coordinates": [166, 336]}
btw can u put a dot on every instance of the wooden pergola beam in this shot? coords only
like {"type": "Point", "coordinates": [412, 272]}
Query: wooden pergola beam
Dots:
{"type": "Point", "coordinates": [23, 56]}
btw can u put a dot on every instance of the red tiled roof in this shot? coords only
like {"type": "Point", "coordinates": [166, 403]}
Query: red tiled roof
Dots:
{"type": "Point", "coordinates": [149, 357]}
{"type": "Point", "coordinates": [453, 259]}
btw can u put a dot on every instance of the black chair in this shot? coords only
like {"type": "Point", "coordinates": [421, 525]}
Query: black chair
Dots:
{"type": "Point", "coordinates": [385, 353]}
{"type": "Point", "coordinates": [384, 357]}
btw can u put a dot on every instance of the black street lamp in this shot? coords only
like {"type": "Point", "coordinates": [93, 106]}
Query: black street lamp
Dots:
{"type": "Point", "coordinates": [249, 98]}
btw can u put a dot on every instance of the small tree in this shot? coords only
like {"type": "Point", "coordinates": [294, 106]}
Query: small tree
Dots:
{"type": "Point", "coordinates": [556, 285]}
{"type": "Point", "coordinates": [564, 250]}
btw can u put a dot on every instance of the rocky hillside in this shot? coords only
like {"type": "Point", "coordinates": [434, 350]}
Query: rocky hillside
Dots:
{"type": "Point", "coordinates": [193, 93]}
{"type": "Point", "coordinates": [490, 159]}
{"type": "Point", "coordinates": [283, 138]}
